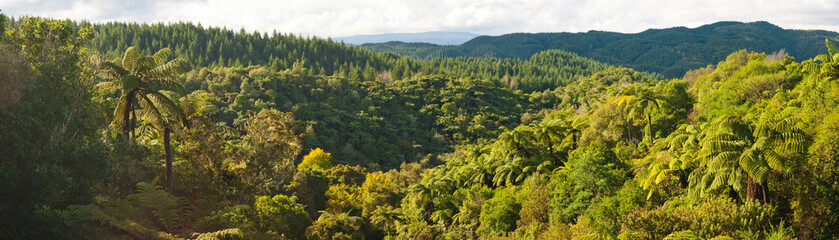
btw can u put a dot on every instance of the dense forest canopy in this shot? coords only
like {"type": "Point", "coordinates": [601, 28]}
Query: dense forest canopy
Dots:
{"type": "Point", "coordinates": [127, 131]}
{"type": "Point", "coordinates": [215, 47]}
{"type": "Point", "coordinates": [670, 52]}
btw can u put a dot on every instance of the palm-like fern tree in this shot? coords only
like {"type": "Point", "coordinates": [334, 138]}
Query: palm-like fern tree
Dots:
{"type": "Point", "coordinates": [142, 81]}
{"type": "Point", "coordinates": [676, 155]}
{"type": "Point", "coordinates": [734, 153]}
{"type": "Point", "coordinates": [644, 100]}
{"type": "Point", "coordinates": [153, 112]}
{"type": "Point", "coordinates": [135, 74]}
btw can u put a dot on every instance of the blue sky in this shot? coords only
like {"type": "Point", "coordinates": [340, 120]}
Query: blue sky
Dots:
{"type": "Point", "coordinates": [336, 18]}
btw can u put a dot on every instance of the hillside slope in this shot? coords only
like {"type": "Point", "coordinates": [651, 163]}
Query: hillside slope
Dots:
{"type": "Point", "coordinates": [670, 52]}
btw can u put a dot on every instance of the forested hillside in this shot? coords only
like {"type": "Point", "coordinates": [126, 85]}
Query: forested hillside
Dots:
{"type": "Point", "coordinates": [214, 47]}
{"type": "Point", "coordinates": [670, 52]}
{"type": "Point", "coordinates": [105, 139]}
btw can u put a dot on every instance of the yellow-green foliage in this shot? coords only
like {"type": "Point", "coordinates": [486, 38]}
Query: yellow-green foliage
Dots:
{"type": "Point", "coordinates": [683, 235]}
{"type": "Point", "coordinates": [317, 159]}
{"type": "Point", "coordinates": [343, 198]}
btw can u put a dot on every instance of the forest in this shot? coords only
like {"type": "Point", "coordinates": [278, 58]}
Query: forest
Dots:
{"type": "Point", "coordinates": [179, 131]}
{"type": "Point", "coordinates": [670, 51]}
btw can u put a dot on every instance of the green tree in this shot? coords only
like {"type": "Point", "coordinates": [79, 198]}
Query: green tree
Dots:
{"type": "Point", "coordinates": [500, 213]}
{"type": "Point", "coordinates": [336, 226]}
{"type": "Point", "coordinates": [52, 152]}
{"type": "Point", "coordinates": [271, 145]}
{"type": "Point", "coordinates": [282, 215]}
{"type": "Point", "coordinates": [316, 160]}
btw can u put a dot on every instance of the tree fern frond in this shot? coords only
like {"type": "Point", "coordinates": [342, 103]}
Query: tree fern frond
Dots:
{"type": "Point", "coordinates": [113, 69]}
{"type": "Point", "coordinates": [150, 112]}
{"type": "Point", "coordinates": [719, 181]}
{"type": "Point", "coordinates": [775, 161]}
{"type": "Point", "coordinates": [225, 234]}
{"type": "Point", "coordinates": [810, 66]}
{"type": "Point", "coordinates": [166, 104]}
{"type": "Point", "coordinates": [120, 109]}
{"type": "Point", "coordinates": [163, 205]}
{"type": "Point", "coordinates": [683, 235]}
{"type": "Point", "coordinates": [107, 87]}
{"type": "Point", "coordinates": [623, 100]}
{"type": "Point", "coordinates": [161, 56]}
{"type": "Point", "coordinates": [830, 47]}
{"type": "Point", "coordinates": [131, 59]}
{"type": "Point", "coordinates": [823, 58]}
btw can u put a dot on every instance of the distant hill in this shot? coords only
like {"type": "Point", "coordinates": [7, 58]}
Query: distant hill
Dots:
{"type": "Point", "coordinates": [439, 38]}
{"type": "Point", "coordinates": [670, 52]}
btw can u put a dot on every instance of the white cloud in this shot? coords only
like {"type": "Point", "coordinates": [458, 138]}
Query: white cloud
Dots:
{"type": "Point", "coordinates": [351, 17]}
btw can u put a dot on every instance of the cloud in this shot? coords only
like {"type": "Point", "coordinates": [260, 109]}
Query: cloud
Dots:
{"type": "Point", "coordinates": [351, 17]}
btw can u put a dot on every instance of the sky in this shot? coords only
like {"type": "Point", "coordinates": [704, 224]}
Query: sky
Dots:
{"type": "Point", "coordinates": [338, 18]}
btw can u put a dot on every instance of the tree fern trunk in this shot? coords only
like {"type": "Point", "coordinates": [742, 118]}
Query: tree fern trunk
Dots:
{"type": "Point", "coordinates": [126, 115]}
{"type": "Point", "coordinates": [167, 151]}
{"type": "Point", "coordinates": [757, 191]}
{"type": "Point", "coordinates": [650, 121]}
{"type": "Point", "coordinates": [133, 125]}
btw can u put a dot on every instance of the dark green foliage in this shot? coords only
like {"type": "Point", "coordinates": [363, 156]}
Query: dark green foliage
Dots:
{"type": "Point", "coordinates": [592, 174]}
{"type": "Point", "coordinates": [51, 154]}
{"type": "Point", "coordinates": [606, 216]}
{"type": "Point", "coordinates": [281, 215]}
{"type": "Point", "coordinates": [374, 124]}
{"type": "Point", "coordinates": [670, 52]}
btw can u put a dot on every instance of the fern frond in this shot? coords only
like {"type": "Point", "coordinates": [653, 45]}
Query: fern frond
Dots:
{"type": "Point", "coordinates": [150, 111]}
{"type": "Point", "coordinates": [823, 58]}
{"type": "Point", "coordinates": [131, 59]}
{"type": "Point", "coordinates": [119, 110]}
{"type": "Point", "coordinates": [225, 234]}
{"type": "Point", "coordinates": [161, 56]}
{"type": "Point", "coordinates": [683, 235]}
{"type": "Point", "coordinates": [830, 47]}
{"type": "Point", "coordinates": [113, 69]}
{"type": "Point", "coordinates": [775, 161]}
{"type": "Point", "coordinates": [163, 206]}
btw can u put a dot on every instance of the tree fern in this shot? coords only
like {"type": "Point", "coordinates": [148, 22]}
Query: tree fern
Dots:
{"type": "Point", "coordinates": [162, 205]}
{"type": "Point", "coordinates": [735, 153]}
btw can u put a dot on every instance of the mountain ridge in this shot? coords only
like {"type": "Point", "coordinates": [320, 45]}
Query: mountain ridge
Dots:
{"type": "Point", "coordinates": [434, 37]}
{"type": "Point", "coordinates": [669, 51]}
